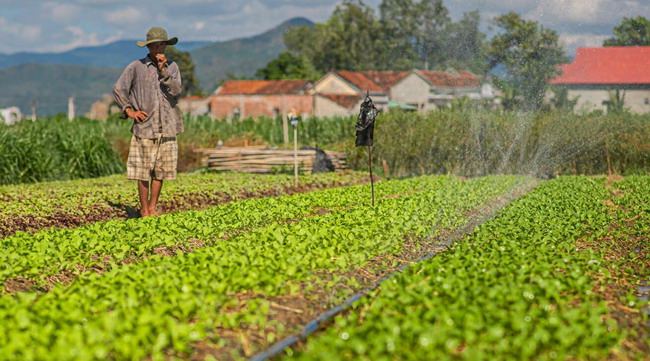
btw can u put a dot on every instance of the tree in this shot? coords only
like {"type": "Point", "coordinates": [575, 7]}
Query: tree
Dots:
{"type": "Point", "coordinates": [408, 34]}
{"type": "Point", "coordinates": [561, 101]}
{"type": "Point", "coordinates": [631, 32]}
{"type": "Point", "coordinates": [348, 40]}
{"type": "Point", "coordinates": [530, 53]}
{"type": "Point", "coordinates": [616, 102]}
{"type": "Point", "coordinates": [431, 21]}
{"type": "Point", "coordinates": [463, 45]}
{"type": "Point", "coordinates": [186, 66]}
{"type": "Point", "coordinates": [287, 66]}
{"type": "Point", "coordinates": [398, 28]}
{"type": "Point", "coordinates": [422, 35]}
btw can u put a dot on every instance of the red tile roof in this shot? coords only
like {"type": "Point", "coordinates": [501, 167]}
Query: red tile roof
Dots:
{"type": "Point", "coordinates": [262, 87]}
{"type": "Point", "coordinates": [607, 65]}
{"type": "Point", "coordinates": [193, 97]}
{"type": "Point", "coordinates": [439, 78]}
{"type": "Point", "coordinates": [373, 81]}
{"type": "Point", "coordinates": [344, 100]}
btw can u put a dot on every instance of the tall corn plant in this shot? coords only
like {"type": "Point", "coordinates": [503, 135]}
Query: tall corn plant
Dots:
{"type": "Point", "coordinates": [479, 142]}
{"type": "Point", "coordinates": [55, 149]}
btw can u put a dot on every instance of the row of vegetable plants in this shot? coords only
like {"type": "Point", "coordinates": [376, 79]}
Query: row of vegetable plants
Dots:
{"type": "Point", "coordinates": [32, 207]}
{"type": "Point", "coordinates": [35, 257]}
{"type": "Point", "coordinates": [162, 306]}
{"type": "Point", "coordinates": [523, 286]}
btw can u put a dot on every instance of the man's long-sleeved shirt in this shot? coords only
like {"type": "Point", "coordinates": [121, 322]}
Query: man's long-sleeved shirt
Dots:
{"type": "Point", "coordinates": [143, 87]}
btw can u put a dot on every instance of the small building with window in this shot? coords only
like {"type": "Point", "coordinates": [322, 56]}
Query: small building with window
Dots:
{"type": "Point", "coordinates": [599, 77]}
{"type": "Point", "coordinates": [240, 99]}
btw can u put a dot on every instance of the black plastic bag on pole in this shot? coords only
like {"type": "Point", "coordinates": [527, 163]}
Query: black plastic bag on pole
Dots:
{"type": "Point", "coordinates": [365, 130]}
{"type": "Point", "coordinates": [366, 122]}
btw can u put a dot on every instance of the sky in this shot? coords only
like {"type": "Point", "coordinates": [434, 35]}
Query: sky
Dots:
{"type": "Point", "coordinates": [60, 25]}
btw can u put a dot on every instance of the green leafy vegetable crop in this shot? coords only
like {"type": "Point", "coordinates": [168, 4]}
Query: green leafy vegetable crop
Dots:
{"type": "Point", "coordinates": [521, 287]}
{"type": "Point", "coordinates": [160, 306]}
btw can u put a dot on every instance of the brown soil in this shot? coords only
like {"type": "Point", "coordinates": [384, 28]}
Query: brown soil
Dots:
{"type": "Point", "coordinates": [45, 284]}
{"type": "Point", "coordinates": [105, 212]}
{"type": "Point", "coordinates": [627, 255]}
{"type": "Point", "coordinates": [21, 284]}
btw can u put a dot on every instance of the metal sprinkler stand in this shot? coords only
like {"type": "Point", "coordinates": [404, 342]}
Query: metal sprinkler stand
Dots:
{"type": "Point", "coordinates": [372, 182]}
{"type": "Point", "coordinates": [365, 128]}
{"type": "Point", "coordinates": [294, 123]}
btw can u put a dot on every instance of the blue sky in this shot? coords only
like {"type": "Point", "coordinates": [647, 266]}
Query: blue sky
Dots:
{"type": "Point", "coordinates": [59, 25]}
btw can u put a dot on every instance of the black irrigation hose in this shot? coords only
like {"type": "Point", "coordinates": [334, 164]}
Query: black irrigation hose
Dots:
{"type": "Point", "coordinates": [324, 318]}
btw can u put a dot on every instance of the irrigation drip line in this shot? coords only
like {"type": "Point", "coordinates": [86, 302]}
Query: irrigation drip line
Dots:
{"type": "Point", "coordinates": [328, 315]}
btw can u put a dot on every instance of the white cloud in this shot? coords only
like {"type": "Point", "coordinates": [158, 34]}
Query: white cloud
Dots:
{"type": "Point", "coordinates": [46, 25]}
{"type": "Point", "coordinates": [575, 11]}
{"type": "Point", "coordinates": [573, 41]}
{"type": "Point", "coordinates": [26, 36]}
{"type": "Point", "coordinates": [129, 15]}
{"type": "Point", "coordinates": [254, 7]}
{"type": "Point", "coordinates": [61, 13]}
{"type": "Point", "coordinates": [199, 25]}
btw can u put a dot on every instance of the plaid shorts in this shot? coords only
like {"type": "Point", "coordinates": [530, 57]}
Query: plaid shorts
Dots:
{"type": "Point", "coordinates": [152, 158]}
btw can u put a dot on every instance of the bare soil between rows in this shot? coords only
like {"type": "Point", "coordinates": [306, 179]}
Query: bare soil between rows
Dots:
{"type": "Point", "coordinates": [627, 256]}
{"type": "Point", "coordinates": [178, 203]}
{"type": "Point", "coordinates": [46, 283]}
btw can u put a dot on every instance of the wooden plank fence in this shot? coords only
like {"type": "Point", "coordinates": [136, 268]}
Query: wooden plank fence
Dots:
{"type": "Point", "coordinates": [258, 160]}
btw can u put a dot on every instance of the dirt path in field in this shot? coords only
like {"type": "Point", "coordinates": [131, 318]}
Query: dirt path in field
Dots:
{"type": "Point", "coordinates": [295, 311]}
{"type": "Point", "coordinates": [627, 255]}
{"type": "Point", "coordinates": [117, 211]}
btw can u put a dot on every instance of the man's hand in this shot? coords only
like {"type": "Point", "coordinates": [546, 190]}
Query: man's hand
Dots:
{"type": "Point", "coordinates": [161, 61]}
{"type": "Point", "coordinates": [137, 115]}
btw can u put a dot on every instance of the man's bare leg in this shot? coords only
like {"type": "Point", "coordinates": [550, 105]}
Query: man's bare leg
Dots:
{"type": "Point", "coordinates": [156, 186]}
{"type": "Point", "coordinates": [143, 192]}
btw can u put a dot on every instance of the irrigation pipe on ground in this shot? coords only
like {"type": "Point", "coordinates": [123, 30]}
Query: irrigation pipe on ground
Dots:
{"type": "Point", "coordinates": [328, 315]}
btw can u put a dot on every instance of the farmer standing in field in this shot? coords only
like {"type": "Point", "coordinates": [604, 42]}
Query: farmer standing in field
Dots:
{"type": "Point", "coordinates": [148, 92]}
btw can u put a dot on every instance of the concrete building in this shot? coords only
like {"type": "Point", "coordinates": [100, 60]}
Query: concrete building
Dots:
{"type": "Point", "coordinates": [239, 99]}
{"type": "Point", "coordinates": [428, 90]}
{"type": "Point", "coordinates": [10, 115]}
{"type": "Point", "coordinates": [417, 89]}
{"type": "Point", "coordinates": [102, 108]}
{"type": "Point", "coordinates": [597, 73]}
{"type": "Point", "coordinates": [194, 105]}
{"type": "Point", "coordinates": [342, 92]}
{"type": "Point", "coordinates": [329, 105]}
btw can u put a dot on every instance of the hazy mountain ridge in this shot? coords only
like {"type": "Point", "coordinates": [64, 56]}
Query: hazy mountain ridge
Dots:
{"type": "Point", "coordinates": [50, 85]}
{"type": "Point", "coordinates": [113, 55]}
{"type": "Point", "coordinates": [241, 57]}
{"type": "Point", "coordinates": [89, 72]}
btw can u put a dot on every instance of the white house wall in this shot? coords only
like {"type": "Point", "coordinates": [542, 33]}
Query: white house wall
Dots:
{"type": "Point", "coordinates": [637, 98]}
{"type": "Point", "coordinates": [412, 89]}
{"type": "Point", "coordinates": [324, 107]}
{"type": "Point", "coordinates": [332, 84]}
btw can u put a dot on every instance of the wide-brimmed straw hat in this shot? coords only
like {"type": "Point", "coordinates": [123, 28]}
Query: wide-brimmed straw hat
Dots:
{"type": "Point", "coordinates": [157, 34]}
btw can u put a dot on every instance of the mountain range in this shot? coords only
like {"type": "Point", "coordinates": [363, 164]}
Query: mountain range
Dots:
{"type": "Point", "coordinates": [89, 72]}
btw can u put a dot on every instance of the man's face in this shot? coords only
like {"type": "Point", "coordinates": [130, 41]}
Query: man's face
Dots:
{"type": "Point", "coordinates": [157, 47]}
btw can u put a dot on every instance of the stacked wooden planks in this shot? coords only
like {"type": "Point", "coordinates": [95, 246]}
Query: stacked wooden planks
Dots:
{"type": "Point", "coordinates": [256, 160]}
